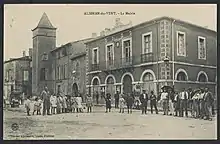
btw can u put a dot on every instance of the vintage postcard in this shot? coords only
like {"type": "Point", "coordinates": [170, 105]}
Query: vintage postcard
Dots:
{"type": "Point", "coordinates": [140, 71]}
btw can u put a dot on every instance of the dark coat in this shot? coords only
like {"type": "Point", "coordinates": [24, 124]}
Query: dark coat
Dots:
{"type": "Point", "coordinates": [108, 101]}
{"type": "Point", "coordinates": [208, 98]}
{"type": "Point", "coordinates": [130, 100]}
{"type": "Point", "coordinates": [117, 96]}
{"type": "Point", "coordinates": [143, 100]}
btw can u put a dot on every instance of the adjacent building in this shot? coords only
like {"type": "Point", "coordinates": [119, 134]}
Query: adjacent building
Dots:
{"type": "Point", "coordinates": [162, 51]}
{"type": "Point", "coordinates": [69, 68]}
{"type": "Point", "coordinates": [17, 76]}
{"type": "Point", "coordinates": [61, 68]}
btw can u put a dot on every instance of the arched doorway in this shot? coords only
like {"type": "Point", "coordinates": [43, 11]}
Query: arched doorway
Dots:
{"type": "Point", "coordinates": [110, 88]}
{"type": "Point", "coordinates": [95, 86]}
{"type": "Point", "coordinates": [181, 76]}
{"type": "Point", "coordinates": [148, 83]}
{"type": "Point", "coordinates": [74, 89]}
{"type": "Point", "coordinates": [202, 78]}
{"type": "Point", "coordinates": [127, 84]}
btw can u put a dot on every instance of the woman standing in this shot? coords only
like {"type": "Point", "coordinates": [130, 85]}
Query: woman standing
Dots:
{"type": "Point", "coordinates": [79, 104]}
{"type": "Point", "coordinates": [59, 104]}
{"type": "Point", "coordinates": [64, 104]}
{"type": "Point", "coordinates": [53, 101]}
{"type": "Point", "coordinates": [108, 102]}
{"type": "Point", "coordinates": [89, 103]}
{"type": "Point", "coordinates": [195, 107]}
{"type": "Point", "coordinates": [130, 101]}
{"type": "Point", "coordinates": [121, 104]}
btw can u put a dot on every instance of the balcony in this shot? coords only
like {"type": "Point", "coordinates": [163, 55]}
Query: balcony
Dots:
{"type": "Point", "coordinates": [95, 67]}
{"type": "Point", "coordinates": [123, 62]}
{"type": "Point", "coordinates": [126, 62]}
{"type": "Point", "coordinates": [147, 58]}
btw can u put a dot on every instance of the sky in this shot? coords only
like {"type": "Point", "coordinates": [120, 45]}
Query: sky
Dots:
{"type": "Point", "coordinates": [72, 24]}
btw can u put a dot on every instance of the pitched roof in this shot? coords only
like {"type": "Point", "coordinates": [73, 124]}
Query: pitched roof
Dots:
{"type": "Point", "coordinates": [26, 58]}
{"type": "Point", "coordinates": [153, 21]}
{"type": "Point", "coordinates": [71, 43]}
{"type": "Point", "coordinates": [45, 22]}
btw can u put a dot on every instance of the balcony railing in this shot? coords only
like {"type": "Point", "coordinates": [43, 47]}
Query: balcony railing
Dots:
{"type": "Point", "coordinates": [123, 62]}
{"type": "Point", "coordinates": [147, 57]}
{"type": "Point", "coordinates": [95, 67]}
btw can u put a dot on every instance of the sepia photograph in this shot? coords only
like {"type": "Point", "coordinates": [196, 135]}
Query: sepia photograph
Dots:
{"type": "Point", "coordinates": [110, 71]}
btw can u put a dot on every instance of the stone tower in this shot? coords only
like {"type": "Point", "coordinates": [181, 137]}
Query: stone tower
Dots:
{"type": "Point", "coordinates": [44, 40]}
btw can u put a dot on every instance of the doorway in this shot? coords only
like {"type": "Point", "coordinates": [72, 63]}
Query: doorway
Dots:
{"type": "Point", "coordinates": [74, 89]}
{"type": "Point", "coordinates": [127, 84]}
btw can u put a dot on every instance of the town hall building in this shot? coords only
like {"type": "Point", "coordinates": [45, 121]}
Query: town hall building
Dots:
{"type": "Point", "coordinates": [147, 56]}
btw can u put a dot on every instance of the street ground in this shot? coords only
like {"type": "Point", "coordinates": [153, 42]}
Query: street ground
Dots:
{"type": "Point", "coordinates": [101, 125]}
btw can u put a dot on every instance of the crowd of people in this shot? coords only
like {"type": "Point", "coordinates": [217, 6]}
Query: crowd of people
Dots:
{"type": "Point", "coordinates": [56, 103]}
{"type": "Point", "coordinates": [199, 103]}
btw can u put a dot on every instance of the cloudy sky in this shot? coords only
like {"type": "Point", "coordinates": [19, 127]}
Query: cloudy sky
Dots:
{"type": "Point", "coordinates": [72, 24]}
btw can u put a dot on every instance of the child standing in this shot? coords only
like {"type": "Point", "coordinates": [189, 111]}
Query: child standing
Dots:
{"type": "Point", "coordinates": [122, 104]}
{"type": "Point", "coordinates": [59, 105]}
{"type": "Point", "coordinates": [73, 104]}
{"type": "Point", "coordinates": [53, 102]}
{"type": "Point", "coordinates": [37, 106]}
{"type": "Point", "coordinates": [28, 105]}
{"type": "Point", "coordinates": [89, 103]}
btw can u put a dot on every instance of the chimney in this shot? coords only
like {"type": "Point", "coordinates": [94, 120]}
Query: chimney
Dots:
{"type": "Point", "coordinates": [30, 52]}
{"type": "Point", "coordinates": [24, 54]}
{"type": "Point", "coordinates": [102, 33]}
{"type": "Point", "coordinates": [117, 21]}
{"type": "Point", "coordinates": [94, 35]}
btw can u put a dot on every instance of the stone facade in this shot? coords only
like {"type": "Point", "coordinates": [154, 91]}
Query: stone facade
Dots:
{"type": "Point", "coordinates": [17, 76]}
{"type": "Point", "coordinates": [44, 40]}
{"type": "Point", "coordinates": [137, 68]}
{"type": "Point", "coordinates": [54, 66]}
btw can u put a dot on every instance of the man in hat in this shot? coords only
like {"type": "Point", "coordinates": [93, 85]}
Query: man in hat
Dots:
{"type": "Point", "coordinates": [164, 100]}
{"type": "Point", "coordinates": [144, 100]}
{"type": "Point", "coordinates": [116, 99]}
{"type": "Point", "coordinates": [208, 100]}
{"type": "Point", "coordinates": [184, 102]}
{"type": "Point", "coordinates": [46, 101]}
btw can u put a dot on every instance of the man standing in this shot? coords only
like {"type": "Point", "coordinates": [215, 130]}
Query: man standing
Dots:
{"type": "Point", "coordinates": [46, 101]}
{"type": "Point", "coordinates": [144, 99]}
{"type": "Point", "coordinates": [97, 97]}
{"type": "Point", "coordinates": [183, 103]}
{"type": "Point", "coordinates": [171, 102]}
{"type": "Point", "coordinates": [177, 104]}
{"type": "Point", "coordinates": [116, 99]}
{"type": "Point", "coordinates": [153, 102]}
{"type": "Point", "coordinates": [164, 99]}
{"type": "Point", "coordinates": [190, 101]}
{"type": "Point", "coordinates": [208, 100]}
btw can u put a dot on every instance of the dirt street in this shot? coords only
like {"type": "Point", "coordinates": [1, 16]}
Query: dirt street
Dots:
{"type": "Point", "coordinates": [100, 125]}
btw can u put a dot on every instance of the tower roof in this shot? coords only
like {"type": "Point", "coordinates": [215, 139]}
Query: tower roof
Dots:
{"type": "Point", "coordinates": [45, 22]}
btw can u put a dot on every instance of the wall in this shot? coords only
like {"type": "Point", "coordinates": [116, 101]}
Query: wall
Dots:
{"type": "Point", "coordinates": [192, 34]}
{"type": "Point", "coordinates": [44, 40]}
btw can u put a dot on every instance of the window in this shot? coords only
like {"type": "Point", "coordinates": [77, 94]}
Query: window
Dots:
{"type": "Point", "coordinates": [127, 48]}
{"type": "Point", "coordinates": [148, 77]}
{"type": "Point", "coordinates": [43, 74]}
{"type": "Point", "coordinates": [181, 44]}
{"type": "Point", "coordinates": [110, 53]}
{"type": "Point", "coordinates": [26, 75]}
{"type": "Point", "coordinates": [44, 57]}
{"type": "Point", "coordinates": [59, 72]}
{"type": "Point", "coordinates": [202, 78]}
{"type": "Point", "coordinates": [201, 48]}
{"type": "Point", "coordinates": [95, 56]}
{"type": "Point", "coordinates": [65, 71]}
{"type": "Point", "coordinates": [181, 76]}
{"type": "Point", "coordinates": [64, 52]}
{"type": "Point", "coordinates": [147, 43]}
